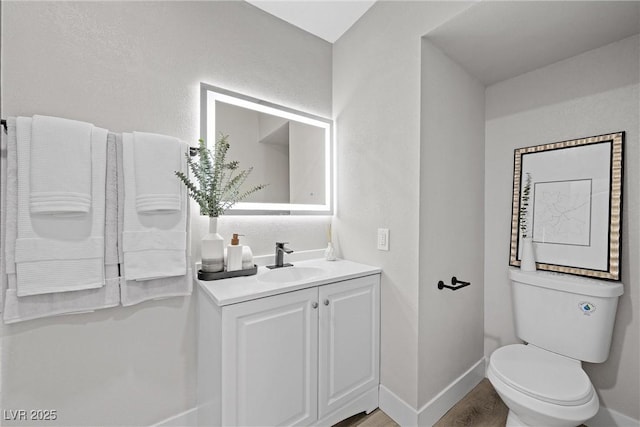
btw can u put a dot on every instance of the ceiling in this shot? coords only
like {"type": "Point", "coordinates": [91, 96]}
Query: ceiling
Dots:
{"type": "Point", "coordinates": [326, 19]}
{"type": "Point", "coordinates": [492, 40]}
{"type": "Point", "coordinates": [497, 40]}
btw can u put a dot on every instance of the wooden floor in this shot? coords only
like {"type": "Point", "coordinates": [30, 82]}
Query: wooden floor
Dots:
{"type": "Point", "coordinates": [375, 419]}
{"type": "Point", "coordinates": [482, 407]}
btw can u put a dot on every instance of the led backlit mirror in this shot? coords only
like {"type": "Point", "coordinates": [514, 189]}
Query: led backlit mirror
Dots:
{"type": "Point", "coordinates": [289, 150]}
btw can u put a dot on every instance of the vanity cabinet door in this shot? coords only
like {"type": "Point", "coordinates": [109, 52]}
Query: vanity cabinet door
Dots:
{"type": "Point", "coordinates": [269, 361]}
{"type": "Point", "coordinates": [349, 334]}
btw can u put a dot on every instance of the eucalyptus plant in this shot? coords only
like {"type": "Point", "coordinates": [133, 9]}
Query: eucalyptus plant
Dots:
{"type": "Point", "coordinates": [524, 206]}
{"type": "Point", "coordinates": [219, 182]}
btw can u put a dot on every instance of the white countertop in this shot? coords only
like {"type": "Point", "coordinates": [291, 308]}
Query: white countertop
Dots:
{"type": "Point", "coordinates": [245, 288]}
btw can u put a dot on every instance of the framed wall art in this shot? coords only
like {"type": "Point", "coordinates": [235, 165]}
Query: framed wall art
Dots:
{"type": "Point", "coordinates": [573, 205]}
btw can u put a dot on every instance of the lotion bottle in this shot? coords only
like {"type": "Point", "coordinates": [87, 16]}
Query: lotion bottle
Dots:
{"type": "Point", "coordinates": [234, 254]}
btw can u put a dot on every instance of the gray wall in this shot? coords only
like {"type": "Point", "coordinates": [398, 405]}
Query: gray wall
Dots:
{"type": "Point", "coordinates": [376, 104]}
{"type": "Point", "coordinates": [590, 94]}
{"type": "Point", "coordinates": [307, 164]}
{"type": "Point", "coordinates": [451, 221]}
{"type": "Point", "coordinates": [270, 162]}
{"type": "Point", "coordinates": [137, 66]}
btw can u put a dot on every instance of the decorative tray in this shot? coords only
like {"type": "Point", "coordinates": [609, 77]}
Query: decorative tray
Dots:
{"type": "Point", "coordinates": [204, 275]}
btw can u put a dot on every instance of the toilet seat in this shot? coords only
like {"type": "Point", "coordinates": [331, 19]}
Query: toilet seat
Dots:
{"type": "Point", "coordinates": [542, 375]}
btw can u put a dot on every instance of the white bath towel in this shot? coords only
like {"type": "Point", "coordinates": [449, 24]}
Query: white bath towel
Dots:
{"type": "Point", "coordinates": [3, 215]}
{"type": "Point", "coordinates": [9, 208]}
{"type": "Point", "coordinates": [60, 253]}
{"type": "Point", "coordinates": [111, 204]}
{"type": "Point", "coordinates": [153, 248]}
{"type": "Point", "coordinates": [156, 158]}
{"type": "Point", "coordinates": [17, 309]}
{"type": "Point", "coordinates": [60, 166]}
{"type": "Point", "coordinates": [10, 201]}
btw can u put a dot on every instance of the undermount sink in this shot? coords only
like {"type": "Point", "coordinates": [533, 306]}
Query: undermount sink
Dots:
{"type": "Point", "coordinates": [290, 274]}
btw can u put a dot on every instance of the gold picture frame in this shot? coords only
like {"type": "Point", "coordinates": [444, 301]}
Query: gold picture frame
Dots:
{"type": "Point", "coordinates": [576, 205]}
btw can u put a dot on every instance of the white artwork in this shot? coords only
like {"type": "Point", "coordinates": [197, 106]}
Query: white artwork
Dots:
{"type": "Point", "coordinates": [574, 211]}
{"type": "Point", "coordinates": [562, 212]}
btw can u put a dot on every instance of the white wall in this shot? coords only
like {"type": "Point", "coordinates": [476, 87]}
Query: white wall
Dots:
{"type": "Point", "coordinates": [376, 104]}
{"type": "Point", "coordinates": [137, 66]}
{"type": "Point", "coordinates": [590, 94]}
{"type": "Point", "coordinates": [451, 222]}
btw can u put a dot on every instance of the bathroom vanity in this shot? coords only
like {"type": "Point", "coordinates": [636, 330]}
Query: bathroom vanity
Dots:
{"type": "Point", "coordinates": [291, 346]}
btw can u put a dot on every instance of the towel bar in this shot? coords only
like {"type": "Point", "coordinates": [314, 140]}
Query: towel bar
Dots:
{"type": "Point", "coordinates": [193, 151]}
{"type": "Point", "coordinates": [454, 282]}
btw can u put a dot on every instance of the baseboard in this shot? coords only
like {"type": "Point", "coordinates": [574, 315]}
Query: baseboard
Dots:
{"type": "Point", "coordinates": [405, 415]}
{"type": "Point", "coordinates": [609, 418]}
{"type": "Point", "coordinates": [187, 418]}
{"type": "Point", "coordinates": [396, 408]}
{"type": "Point", "coordinates": [433, 410]}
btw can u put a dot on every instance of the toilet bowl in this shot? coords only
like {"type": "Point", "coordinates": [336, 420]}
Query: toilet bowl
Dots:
{"type": "Point", "coordinates": [541, 388]}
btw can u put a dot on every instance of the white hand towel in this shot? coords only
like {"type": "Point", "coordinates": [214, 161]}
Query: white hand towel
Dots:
{"type": "Point", "coordinates": [157, 157]}
{"type": "Point", "coordinates": [18, 309]}
{"type": "Point", "coordinates": [60, 253]}
{"type": "Point", "coordinates": [60, 166]}
{"type": "Point", "coordinates": [141, 263]}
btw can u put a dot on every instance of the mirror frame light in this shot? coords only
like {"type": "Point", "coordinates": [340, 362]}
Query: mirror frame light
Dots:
{"type": "Point", "coordinates": [209, 95]}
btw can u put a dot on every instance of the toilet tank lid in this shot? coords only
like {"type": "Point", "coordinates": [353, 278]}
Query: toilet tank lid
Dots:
{"type": "Point", "coordinates": [567, 283]}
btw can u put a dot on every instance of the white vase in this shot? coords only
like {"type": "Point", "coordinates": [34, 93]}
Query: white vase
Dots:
{"type": "Point", "coordinates": [329, 253]}
{"type": "Point", "coordinates": [212, 249]}
{"type": "Point", "coordinates": [528, 258]}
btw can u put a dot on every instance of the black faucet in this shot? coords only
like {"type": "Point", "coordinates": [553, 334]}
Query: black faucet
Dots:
{"type": "Point", "coordinates": [280, 251]}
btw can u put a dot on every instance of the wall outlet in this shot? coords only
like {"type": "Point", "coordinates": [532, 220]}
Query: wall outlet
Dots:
{"type": "Point", "coordinates": [383, 239]}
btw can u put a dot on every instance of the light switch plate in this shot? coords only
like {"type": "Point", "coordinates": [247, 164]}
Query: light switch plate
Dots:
{"type": "Point", "coordinates": [383, 239]}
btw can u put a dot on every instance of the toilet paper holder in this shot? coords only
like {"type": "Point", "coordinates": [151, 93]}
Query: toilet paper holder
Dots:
{"type": "Point", "coordinates": [455, 284]}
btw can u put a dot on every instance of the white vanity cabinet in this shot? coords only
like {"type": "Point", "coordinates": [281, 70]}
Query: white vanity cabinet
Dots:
{"type": "Point", "coordinates": [349, 342]}
{"type": "Point", "coordinates": [308, 355]}
{"type": "Point", "coordinates": [269, 360]}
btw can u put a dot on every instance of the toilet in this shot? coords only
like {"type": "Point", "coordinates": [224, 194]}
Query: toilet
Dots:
{"type": "Point", "coordinates": [564, 320]}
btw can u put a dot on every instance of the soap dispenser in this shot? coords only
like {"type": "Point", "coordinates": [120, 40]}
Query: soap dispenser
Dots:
{"type": "Point", "coordinates": [234, 254]}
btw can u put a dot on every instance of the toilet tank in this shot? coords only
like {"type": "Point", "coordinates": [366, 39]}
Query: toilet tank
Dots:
{"type": "Point", "coordinates": [565, 314]}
